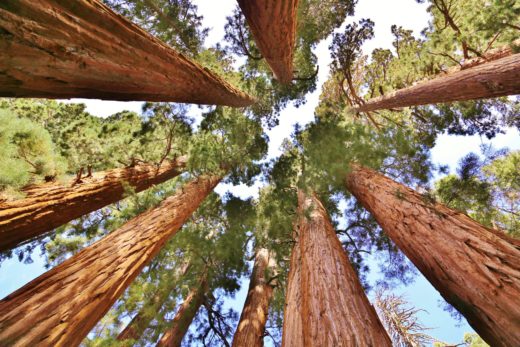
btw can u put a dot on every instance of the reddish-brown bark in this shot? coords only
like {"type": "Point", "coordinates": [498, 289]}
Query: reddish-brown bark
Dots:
{"type": "Point", "coordinates": [184, 316]}
{"type": "Point", "coordinates": [330, 307]}
{"type": "Point", "coordinates": [292, 316]}
{"type": "Point", "coordinates": [135, 328]}
{"type": "Point", "coordinates": [60, 307]}
{"type": "Point", "coordinates": [82, 49]}
{"type": "Point", "coordinates": [273, 25]}
{"type": "Point", "coordinates": [48, 206]}
{"type": "Point", "coordinates": [492, 79]}
{"type": "Point", "coordinates": [476, 269]}
{"type": "Point", "coordinates": [251, 327]}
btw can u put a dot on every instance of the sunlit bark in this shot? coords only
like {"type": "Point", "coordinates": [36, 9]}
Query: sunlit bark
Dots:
{"type": "Point", "coordinates": [47, 206]}
{"type": "Point", "coordinates": [251, 327]}
{"type": "Point", "coordinates": [60, 307]}
{"type": "Point", "coordinates": [273, 25]}
{"type": "Point", "coordinates": [325, 302]}
{"type": "Point", "coordinates": [476, 269]}
{"type": "Point", "coordinates": [82, 49]}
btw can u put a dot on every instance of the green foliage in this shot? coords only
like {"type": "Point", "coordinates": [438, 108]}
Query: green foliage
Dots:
{"type": "Point", "coordinates": [488, 191]}
{"type": "Point", "coordinates": [228, 142]}
{"type": "Point", "coordinates": [123, 139]}
{"type": "Point", "coordinates": [394, 150]}
{"type": "Point", "coordinates": [27, 152]}
{"type": "Point", "coordinates": [37, 137]}
{"type": "Point", "coordinates": [316, 20]}
{"type": "Point", "coordinates": [175, 22]}
{"type": "Point", "coordinates": [213, 245]}
{"type": "Point", "coordinates": [459, 30]}
{"type": "Point", "coordinates": [469, 28]}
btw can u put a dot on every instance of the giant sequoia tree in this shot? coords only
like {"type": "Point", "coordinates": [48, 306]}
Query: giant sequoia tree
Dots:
{"type": "Point", "coordinates": [58, 49]}
{"type": "Point", "coordinates": [100, 273]}
{"type": "Point", "coordinates": [474, 268]}
{"type": "Point", "coordinates": [106, 187]}
{"type": "Point", "coordinates": [251, 327]}
{"type": "Point", "coordinates": [48, 206]}
{"type": "Point", "coordinates": [273, 25]}
{"type": "Point", "coordinates": [315, 21]}
{"type": "Point", "coordinates": [487, 80]}
{"type": "Point", "coordinates": [326, 304]}
{"type": "Point", "coordinates": [417, 69]}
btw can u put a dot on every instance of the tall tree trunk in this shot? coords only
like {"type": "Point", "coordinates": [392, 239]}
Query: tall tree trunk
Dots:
{"type": "Point", "coordinates": [82, 49]}
{"type": "Point", "coordinates": [251, 327]}
{"type": "Point", "coordinates": [48, 206]}
{"type": "Point", "coordinates": [67, 301]}
{"type": "Point", "coordinates": [142, 319]}
{"type": "Point", "coordinates": [476, 269]}
{"type": "Point", "coordinates": [184, 316]}
{"type": "Point", "coordinates": [330, 307]}
{"type": "Point", "coordinates": [292, 331]}
{"type": "Point", "coordinates": [273, 25]}
{"type": "Point", "coordinates": [496, 78]}
{"type": "Point", "coordinates": [135, 328]}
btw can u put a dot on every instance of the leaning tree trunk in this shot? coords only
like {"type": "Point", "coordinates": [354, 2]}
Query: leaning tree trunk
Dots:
{"type": "Point", "coordinates": [48, 206]}
{"type": "Point", "coordinates": [476, 269]}
{"type": "Point", "coordinates": [330, 307]}
{"type": "Point", "coordinates": [273, 25]}
{"type": "Point", "coordinates": [82, 49]}
{"type": "Point", "coordinates": [66, 302]}
{"type": "Point", "coordinates": [142, 319]}
{"type": "Point", "coordinates": [251, 327]}
{"type": "Point", "coordinates": [184, 316]}
{"type": "Point", "coordinates": [496, 78]}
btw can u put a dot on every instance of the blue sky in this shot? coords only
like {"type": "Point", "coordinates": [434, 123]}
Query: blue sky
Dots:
{"type": "Point", "coordinates": [448, 150]}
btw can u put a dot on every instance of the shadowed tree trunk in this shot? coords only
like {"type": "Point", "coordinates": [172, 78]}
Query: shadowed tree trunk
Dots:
{"type": "Point", "coordinates": [476, 269]}
{"type": "Point", "coordinates": [184, 316]}
{"type": "Point", "coordinates": [251, 327]}
{"type": "Point", "coordinates": [273, 25]}
{"type": "Point", "coordinates": [330, 307]}
{"type": "Point", "coordinates": [135, 328]}
{"type": "Point", "coordinates": [492, 79]}
{"type": "Point", "coordinates": [82, 49]}
{"type": "Point", "coordinates": [142, 319]}
{"type": "Point", "coordinates": [48, 206]}
{"type": "Point", "coordinates": [66, 302]}
{"type": "Point", "coordinates": [292, 317]}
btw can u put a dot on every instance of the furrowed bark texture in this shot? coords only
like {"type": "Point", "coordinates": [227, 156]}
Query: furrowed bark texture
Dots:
{"type": "Point", "coordinates": [184, 316]}
{"type": "Point", "coordinates": [496, 78]}
{"type": "Point", "coordinates": [251, 328]}
{"type": "Point", "coordinates": [273, 25]}
{"type": "Point", "coordinates": [333, 307]}
{"type": "Point", "coordinates": [142, 319]}
{"type": "Point", "coordinates": [48, 206]}
{"type": "Point", "coordinates": [476, 269]}
{"type": "Point", "coordinates": [82, 49]}
{"type": "Point", "coordinates": [292, 330]}
{"type": "Point", "coordinates": [60, 307]}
